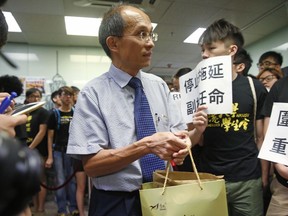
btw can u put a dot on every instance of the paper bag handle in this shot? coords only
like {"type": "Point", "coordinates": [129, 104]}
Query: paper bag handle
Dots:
{"type": "Point", "coordinates": [194, 168]}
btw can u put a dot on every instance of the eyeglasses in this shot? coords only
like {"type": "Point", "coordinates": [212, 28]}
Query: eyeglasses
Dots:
{"type": "Point", "coordinates": [144, 36]}
{"type": "Point", "coordinates": [66, 94]}
{"type": "Point", "coordinates": [265, 64]}
{"type": "Point", "coordinates": [267, 78]}
{"type": "Point", "coordinates": [34, 96]}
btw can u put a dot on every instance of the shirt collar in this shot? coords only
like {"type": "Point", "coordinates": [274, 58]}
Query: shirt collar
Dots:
{"type": "Point", "coordinates": [121, 77]}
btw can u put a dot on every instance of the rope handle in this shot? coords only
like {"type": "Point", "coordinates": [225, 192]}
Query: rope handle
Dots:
{"type": "Point", "coordinates": [194, 167]}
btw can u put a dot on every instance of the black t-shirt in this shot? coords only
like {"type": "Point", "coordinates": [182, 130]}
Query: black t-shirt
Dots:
{"type": "Point", "coordinates": [229, 146]}
{"type": "Point", "coordinates": [61, 128]}
{"type": "Point", "coordinates": [278, 93]}
{"type": "Point", "coordinates": [21, 134]}
{"type": "Point", "coordinates": [35, 119]}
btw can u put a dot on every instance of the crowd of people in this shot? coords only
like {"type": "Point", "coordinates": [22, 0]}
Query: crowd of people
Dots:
{"type": "Point", "coordinates": [99, 131]}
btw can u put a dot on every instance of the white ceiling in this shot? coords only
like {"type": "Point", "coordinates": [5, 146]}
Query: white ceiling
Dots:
{"type": "Point", "coordinates": [42, 23]}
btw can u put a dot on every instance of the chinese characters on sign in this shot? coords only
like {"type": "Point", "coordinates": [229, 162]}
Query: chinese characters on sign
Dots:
{"type": "Point", "coordinates": [210, 83]}
{"type": "Point", "coordinates": [274, 147]}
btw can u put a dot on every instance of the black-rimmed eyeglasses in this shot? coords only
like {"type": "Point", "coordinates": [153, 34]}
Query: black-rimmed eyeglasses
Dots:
{"type": "Point", "coordinates": [265, 64]}
{"type": "Point", "coordinates": [267, 78]}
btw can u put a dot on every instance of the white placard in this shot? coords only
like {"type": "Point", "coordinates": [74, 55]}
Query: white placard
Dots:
{"type": "Point", "coordinates": [210, 83]}
{"type": "Point", "coordinates": [275, 145]}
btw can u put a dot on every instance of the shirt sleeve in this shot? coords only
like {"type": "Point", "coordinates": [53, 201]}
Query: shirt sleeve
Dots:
{"type": "Point", "coordinates": [87, 132]}
{"type": "Point", "coordinates": [270, 99]}
{"type": "Point", "coordinates": [51, 121]}
{"type": "Point", "coordinates": [261, 96]}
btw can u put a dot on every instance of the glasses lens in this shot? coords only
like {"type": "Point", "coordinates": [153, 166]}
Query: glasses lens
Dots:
{"type": "Point", "coordinates": [146, 36]}
{"type": "Point", "coordinates": [267, 78]}
{"type": "Point", "coordinates": [34, 96]}
{"type": "Point", "coordinates": [265, 64]}
{"type": "Point", "coordinates": [66, 94]}
{"type": "Point", "coordinates": [154, 36]}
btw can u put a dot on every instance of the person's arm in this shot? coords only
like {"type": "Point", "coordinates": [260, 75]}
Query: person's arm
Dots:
{"type": "Point", "coordinates": [50, 138]}
{"type": "Point", "coordinates": [265, 165]}
{"type": "Point", "coordinates": [165, 145]}
{"type": "Point", "coordinates": [259, 133]}
{"type": "Point", "coordinates": [198, 126]}
{"type": "Point", "coordinates": [8, 123]}
{"type": "Point", "coordinates": [282, 170]}
{"type": "Point", "coordinates": [39, 136]}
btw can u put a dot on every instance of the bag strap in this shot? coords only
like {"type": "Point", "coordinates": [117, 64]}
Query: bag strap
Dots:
{"type": "Point", "coordinates": [251, 83]}
{"type": "Point", "coordinates": [194, 168]}
{"type": "Point", "coordinates": [58, 117]}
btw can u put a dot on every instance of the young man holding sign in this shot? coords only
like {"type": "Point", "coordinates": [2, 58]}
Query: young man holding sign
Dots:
{"type": "Point", "coordinates": [229, 146]}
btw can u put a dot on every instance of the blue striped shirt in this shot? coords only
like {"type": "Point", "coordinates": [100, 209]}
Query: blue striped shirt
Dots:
{"type": "Point", "coordinates": [104, 119]}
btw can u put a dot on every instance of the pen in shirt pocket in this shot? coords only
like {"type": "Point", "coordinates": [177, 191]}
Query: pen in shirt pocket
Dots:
{"type": "Point", "coordinates": [157, 119]}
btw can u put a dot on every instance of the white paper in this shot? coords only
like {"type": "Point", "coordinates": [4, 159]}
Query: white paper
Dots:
{"type": "Point", "coordinates": [210, 83]}
{"type": "Point", "coordinates": [275, 145]}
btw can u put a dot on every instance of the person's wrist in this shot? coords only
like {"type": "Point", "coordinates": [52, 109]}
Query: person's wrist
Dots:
{"type": "Point", "coordinates": [145, 145]}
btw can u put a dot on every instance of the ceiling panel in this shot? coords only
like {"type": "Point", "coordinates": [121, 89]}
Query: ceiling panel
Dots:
{"type": "Point", "coordinates": [42, 23]}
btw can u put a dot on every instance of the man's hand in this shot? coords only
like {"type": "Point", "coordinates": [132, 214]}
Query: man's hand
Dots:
{"type": "Point", "coordinates": [169, 146]}
{"type": "Point", "coordinates": [48, 162]}
{"type": "Point", "coordinates": [179, 157]}
{"type": "Point", "coordinates": [7, 123]}
{"type": "Point", "coordinates": [282, 170]}
{"type": "Point", "coordinates": [2, 97]}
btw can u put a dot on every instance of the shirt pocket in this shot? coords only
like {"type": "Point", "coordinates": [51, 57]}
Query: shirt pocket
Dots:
{"type": "Point", "coordinates": [161, 122]}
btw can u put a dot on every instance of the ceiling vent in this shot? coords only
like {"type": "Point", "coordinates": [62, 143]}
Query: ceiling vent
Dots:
{"type": "Point", "coordinates": [144, 4]}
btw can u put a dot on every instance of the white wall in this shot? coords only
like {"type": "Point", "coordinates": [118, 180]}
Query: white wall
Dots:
{"type": "Point", "coordinates": [92, 62]}
{"type": "Point", "coordinates": [267, 44]}
{"type": "Point", "coordinates": [75, 65]}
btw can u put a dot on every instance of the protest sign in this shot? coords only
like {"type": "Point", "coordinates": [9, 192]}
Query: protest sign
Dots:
{"type": "Point", "coordinates": [210, 83]}
{"type": "Point", "coordinates": [274, 147]}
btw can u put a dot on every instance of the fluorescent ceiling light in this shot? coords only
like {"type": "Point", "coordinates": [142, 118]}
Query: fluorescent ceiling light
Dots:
{"type": "Point", "coordinates": [89, 59]}
{"type": "Point", "coordinates": [194, 37]}
{"type": "Point", "coordinates": [12, 24]}
{"type": "Point", "coordinates": [154, 25]}
{"type": "Point", "coordinates": [85, 26]}
{"type": "Point", "coordinates": [82, 26]}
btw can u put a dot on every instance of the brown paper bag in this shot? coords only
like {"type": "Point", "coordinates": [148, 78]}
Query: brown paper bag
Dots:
{"type": "Point", "coordinates": [179, 178]}
{"type": "Point", "coordinates": [184, 194]}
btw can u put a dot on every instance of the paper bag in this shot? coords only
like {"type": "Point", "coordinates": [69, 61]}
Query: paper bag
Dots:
{"type": "Point", "coordinates": [184, 194]}
{"type": "Point", "coordinates": [179, 178]}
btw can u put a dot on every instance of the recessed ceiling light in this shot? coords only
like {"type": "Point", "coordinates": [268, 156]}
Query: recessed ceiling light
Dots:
{"type": "Point", "coordinates": [82, 26]}
{"type": "Point", "coordinates": [85, 26]}
{"type": "Point", "coordinates": [12, 23]}
{"type": "Point", "coordinates": [194, 37]}
{"type": "Point", "coordinates": [154, 25]}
